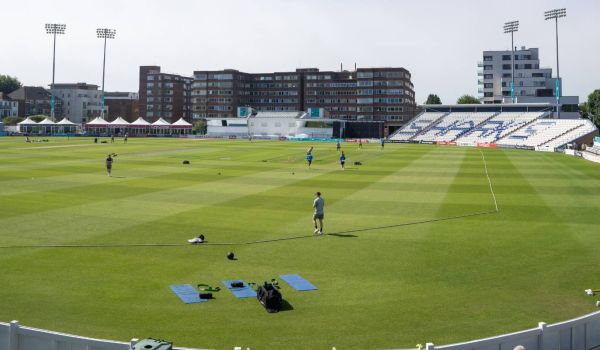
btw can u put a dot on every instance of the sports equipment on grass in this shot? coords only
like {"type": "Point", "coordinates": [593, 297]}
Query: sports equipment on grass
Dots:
{"type": "Point", "coordinates": [297, 282]}
{"type": "Point", "coordinates": [186, 293]}
{"type": "Point", "coordinates": [240, 292]}
{"type": "Point", "coordinates": [270, 297]}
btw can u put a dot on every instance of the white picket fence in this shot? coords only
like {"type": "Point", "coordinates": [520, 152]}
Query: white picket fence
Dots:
{"type": "Point", "coordinates": [582, 333]}
{"type": "Point", "coordinates": [16, 337]}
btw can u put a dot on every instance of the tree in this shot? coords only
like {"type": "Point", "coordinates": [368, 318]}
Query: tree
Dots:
{"type": "Point", "coordinates": [199, 126]}
{"type": "Point", "coordinates": [433, 99]}
{"type": "Point", "coordinates": [9, 84]}
{"type": "Point", "coordinates": [38, 117]}
{"type": "Point", "coordinates": [584, 110]}
{"type": "Point", "coordinates": [593, 107]}
{"type": "Point", "coordinates": [467, 99]}
{"type": "Point", "coordinates": [11, 120]}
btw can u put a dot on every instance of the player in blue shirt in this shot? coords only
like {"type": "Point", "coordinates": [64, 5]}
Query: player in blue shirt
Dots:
{"type": "Point", "coordinates": [382, 143]}
{"type": "Point", "coordinates": [309, 158]}
{"type": "Point", "coordinates": [343, 160]}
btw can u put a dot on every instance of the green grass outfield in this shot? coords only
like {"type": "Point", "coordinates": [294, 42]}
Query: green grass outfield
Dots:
{"type": "Point", "coordinates": [444, 281]}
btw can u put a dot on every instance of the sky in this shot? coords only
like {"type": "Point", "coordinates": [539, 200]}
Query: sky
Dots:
{"type": "Point", "coordinates": [438, 41]}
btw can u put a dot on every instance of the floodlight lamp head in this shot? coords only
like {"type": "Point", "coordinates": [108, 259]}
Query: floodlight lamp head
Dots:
{"type": "Point", "coordinates": [53, 28]}
{"type": "Point", "coordinates": [555, 14]}
{"type": "Point", "coordinates": [106, 33]}
{"type": "Point", "coordinates": [510, 27]}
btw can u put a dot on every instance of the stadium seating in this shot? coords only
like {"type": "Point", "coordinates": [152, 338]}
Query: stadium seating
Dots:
{"type": "Point", "coordinates": [584, 128]}
{"type": "Point", "coordinates": [498, 127]}
{"type": "Point", "coordinates": [415, 126]}
{"type": "Point", "coordinates": [594, 149]}
{"type": "Point", "coordinates": [453, 125]}
{"type": "Point", "coordinates": [548, 132]}
{"type": "Point", "coordinates": [509, 129]}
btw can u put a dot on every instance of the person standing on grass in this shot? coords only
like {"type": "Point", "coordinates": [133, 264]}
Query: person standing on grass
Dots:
{"type": "Point", "coordinates": [343, 160]}
{"type": "Point", "coordinates": [360, 143]}
{"type": "Point", "coordinates": [338, 146]}
{"type": "Point", "coordinates": [382, 143]}
{"type": "Point", "coordinates": [109, 162]}
{"type": "Point", "coordinates": [125, 138]}
{"type": "Point", "coordinates": [112, 138]}
{"type": "Point", "coordinates": [319, 205]}
{"type": "Point", "coordinates": [309, 158]}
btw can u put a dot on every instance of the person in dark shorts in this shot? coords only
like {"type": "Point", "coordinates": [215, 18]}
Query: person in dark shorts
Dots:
{"type": "Point", "coordinates": [125, 138]}
{"type": "Point", "coordinates": [343, 160]}
{"type": "Point", "coordinates": [382, 143]}
{"type": "Point", "coordinates": [338, 146]}
{"type": "Point", "coordinates": [309, 158]}
{"type": "Point", "coordinates": [359, 143]}
{"type": "Point", "coordinates": [112, 138]}
{"type": "Point", "coordinates": [109, 161]}
{"type": "Point", "coordinates": [319, 214]}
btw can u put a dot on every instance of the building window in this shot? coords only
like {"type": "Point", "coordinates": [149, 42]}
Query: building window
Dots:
{"type": "Point", "coordinates": [506, 66]}
{"type": "Point", "coordinates": [487, 67]}
{"type": "Point", "coordinates": [488, 58]}
{"type": "Point", "coordinates": [505, 57]}
{"type": "Point", "coordinates": [488, 85]}
{"type": "Point", "coordinates": [488, 76]}
{"type": "Point", "coordinates": [506, 75]}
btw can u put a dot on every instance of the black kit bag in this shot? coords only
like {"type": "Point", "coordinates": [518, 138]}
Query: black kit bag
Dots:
{"type": "Point", "coordinates": [270, 297]}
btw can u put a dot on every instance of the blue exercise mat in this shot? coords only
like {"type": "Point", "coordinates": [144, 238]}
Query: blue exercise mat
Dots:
{"type": "Point", "coordinates": [240, 292]}
{"type": "Point", "coordinates": [297, 282]}
{"type": "Point", "coordinates": [186, 293]}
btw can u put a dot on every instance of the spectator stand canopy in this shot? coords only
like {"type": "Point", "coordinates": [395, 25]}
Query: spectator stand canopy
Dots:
{"type": "Point", "coordinates": [65, 126]}
{"type": "Point", "coordinates": [46, 126]}
{"type": "Point", "coordinates": [98, 126]}
{"type": "Point", "coordinates": [27, 126]}
{"type": "Point", "coordinates": [139, 127]}
{"type": "Point", "coordinates": [181, 127]}
{"type": "Point", "coordinates": [161, 127]}
{"type": "Point", "coordinates": [119, 126]}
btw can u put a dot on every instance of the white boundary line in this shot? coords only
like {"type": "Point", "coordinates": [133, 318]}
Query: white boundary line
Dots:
{"type": "Point", "coordinates": [489, 180]}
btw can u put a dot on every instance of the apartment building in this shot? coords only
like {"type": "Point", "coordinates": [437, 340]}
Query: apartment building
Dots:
{"type": "Point", "coordinates": [532, 83]}
{"type": "Point", "coordinates": [8, 107]}
{"type": "Point", "coordinates": [531, 80]}
{"type": "Point", "coordinates": [122, 104]}
{"type": "Point", "coordinates": [164, 95]}
{"type": "Point", "coordinates": [34, 100]}
{"type": "Point", "coordinates": [381, 94]}
{"type": "Point", "coordinates": [81, 101]}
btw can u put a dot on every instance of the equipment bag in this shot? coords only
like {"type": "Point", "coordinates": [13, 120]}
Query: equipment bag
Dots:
{"type": "Point", "coordinates": [152, 344]}
{"type": "Point", "coordinates": [270, 297]}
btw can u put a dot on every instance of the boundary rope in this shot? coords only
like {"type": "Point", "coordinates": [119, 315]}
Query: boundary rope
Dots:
{"type": "Point", "coordinates": [489, 181]}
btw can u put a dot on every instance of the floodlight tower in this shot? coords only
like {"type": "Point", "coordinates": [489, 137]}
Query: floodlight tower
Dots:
{"type": "Point", "coordinates": [104, 33]}
{"type": "Point", "coordinates": [555, 15]}
{"type": "Point", "coordinates": [512, 27]}
{"type": "Point", "coordinates": [54, 29]}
